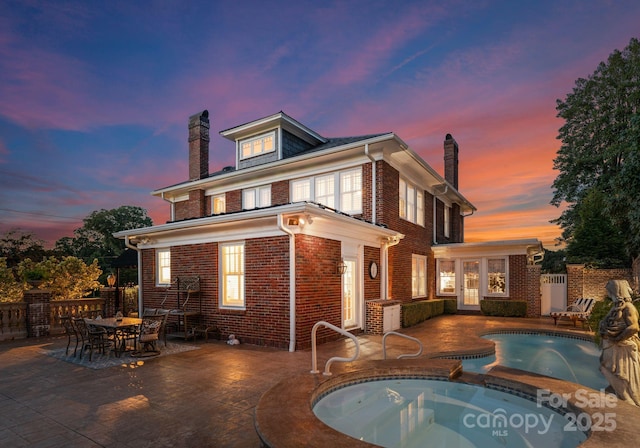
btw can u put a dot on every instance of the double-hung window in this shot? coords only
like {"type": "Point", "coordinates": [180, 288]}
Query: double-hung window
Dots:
{"type": "Point", "coordinates": [446, 277]}
{"type": "Point", "coordinates": [232, 275]}
{"type": "Point", "coordinates": [418, 276]}
{"type": "Point", "coordinates": [163, 267]}
{"type": "Point", "coordinates": [219, 204]}
{"type": "Point", "coordinates": [325, 191]}
{"type": "Point", "coordinates": [256, 197]}
{"type": "Point", "coordinates": [410, 202]}
{"type": "Point", "coordinates": [351, 191]}
{"type": "Point", "coordinates": [301, 190]}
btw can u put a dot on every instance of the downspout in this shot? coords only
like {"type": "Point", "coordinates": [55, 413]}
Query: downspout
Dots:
{"type": "Point", "coordinates": [384, 278]}
{"type": "Point", "coordinates": [373, 183]}
{"type": "Point", "coordinates": [172, 207]}
{"type": "Point", "coordinates": [128, 244]}
{"type": "Point", "coordinates": [292, 283]}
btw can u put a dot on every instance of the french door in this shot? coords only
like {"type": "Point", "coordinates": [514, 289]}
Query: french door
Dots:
{"type": "Point", "coordinates": [351, 303]}
{"type": "Point", "coordinates": [470, 289]}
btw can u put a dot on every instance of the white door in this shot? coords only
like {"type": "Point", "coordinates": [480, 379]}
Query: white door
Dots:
{"type": "Point", "coordinates": [351, 305]}
{"type": "Point", "coordinates": [469, 298]}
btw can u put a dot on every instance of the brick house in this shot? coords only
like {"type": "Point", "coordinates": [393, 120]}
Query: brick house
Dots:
{"type": "Point", "coordinates": [306, 228]}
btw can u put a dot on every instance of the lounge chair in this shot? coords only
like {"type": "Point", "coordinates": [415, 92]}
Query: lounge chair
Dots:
{"type": "Point", "coordinates": [580, 310]}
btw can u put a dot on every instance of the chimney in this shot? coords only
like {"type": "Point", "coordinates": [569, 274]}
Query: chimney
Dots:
{"type": "Point", "coordinates": [199, 146]}
{"type": "Point", "coordinates": [451, 161]}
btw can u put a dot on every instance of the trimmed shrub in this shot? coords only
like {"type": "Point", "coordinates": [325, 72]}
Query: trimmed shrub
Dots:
{"type": "Point", "coordinates": [450, 306]}
{"type": "Point", "coordinates": [504, 308]}
{"type": "Point", "coordinates": [415, 312]}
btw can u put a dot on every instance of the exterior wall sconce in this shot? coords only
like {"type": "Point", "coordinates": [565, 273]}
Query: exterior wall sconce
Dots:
{"type": "Point", "coordinates": [111, 280]}
{"type": "Point", "coordinates": [341, 267]}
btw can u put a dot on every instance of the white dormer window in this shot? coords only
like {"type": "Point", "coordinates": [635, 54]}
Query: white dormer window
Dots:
{"type": "Point", "coordinates": [259, 145]}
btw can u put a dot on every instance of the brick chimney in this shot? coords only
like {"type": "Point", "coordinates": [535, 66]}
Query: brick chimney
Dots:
{"type": "Point", "coordinates": [451, 161]}
{"type": "Point", "coordinates": [199, 145]}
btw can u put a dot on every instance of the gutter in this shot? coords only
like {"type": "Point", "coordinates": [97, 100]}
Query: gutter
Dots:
{"type": "Point", "coordinates": [128, 244]}
{"type": "Point", "coordinates": [292, 282]}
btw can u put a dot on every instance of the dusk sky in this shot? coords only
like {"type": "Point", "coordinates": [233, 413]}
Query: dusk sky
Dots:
{"type": "Point", "coordinates": [95, 96]}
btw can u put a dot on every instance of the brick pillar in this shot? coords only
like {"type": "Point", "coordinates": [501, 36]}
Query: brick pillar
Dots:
{"type": "Point", "coordinates": [533, 293]}
{"type": "Point", "coordinates": [38, 312]}
{"type": "Point", "coordinates": [575, 282]}
{"type": "Point", "coordinates": [110, 296]}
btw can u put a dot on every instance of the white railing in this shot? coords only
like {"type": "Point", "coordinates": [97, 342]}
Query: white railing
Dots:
{"type": "Point", "coordinates": [314, 360]}
{"type": "Point", "coordinates": [384, 345]}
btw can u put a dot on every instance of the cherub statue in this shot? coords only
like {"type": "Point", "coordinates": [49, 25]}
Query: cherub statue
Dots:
{"type": "Point", "coordinates": [620, 357]}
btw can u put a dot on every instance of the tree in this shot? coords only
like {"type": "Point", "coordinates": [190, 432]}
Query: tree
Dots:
{"type": "Point", "coordinates": [599, 150]}
{"type": "Point", "coordinates": [17, 245]}
{"type": "Point", "coordinates": [596, 240]}
{"type": "Point", "coordinates": [94, 240]}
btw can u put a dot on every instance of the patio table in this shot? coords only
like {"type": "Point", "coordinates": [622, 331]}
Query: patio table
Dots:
{"type": "Point", "coordinates": [118, 328]}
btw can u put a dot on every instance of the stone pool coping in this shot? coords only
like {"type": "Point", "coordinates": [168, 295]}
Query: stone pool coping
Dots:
{"type": "Point", "coordinates": [284, 417]}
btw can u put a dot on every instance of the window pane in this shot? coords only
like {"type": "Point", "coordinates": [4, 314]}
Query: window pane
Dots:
{"type": "Point", "coordinates": [301, 190]}
{"type": "Point", "coordinates": [233, 275]}
{"type": "Point", "coordinates": [447, 275]}
{"type": "Point", "coordinates": [497, 276]}
{"type": "Point", "coordinates": [351, 194]}
{"type": "Point", "coordinates": [219, 204]}
{"type": "Point", "coordinates": [164, 267]}
{"type": "Point", "coordinates": [265, 197]}
{"type": "Point", "coordinates": [246, 149]}
{"type": "Point", "coordinates": [268, 143]}
{"type": "Point", "coordinates": [325, 191]}
{"type": "Point", "coordinates": [418, 276]}
{"type": "Point", "coordinates": [249, 199]}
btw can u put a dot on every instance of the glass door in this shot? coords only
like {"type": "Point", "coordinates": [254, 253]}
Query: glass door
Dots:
{"type": "Point", "coordinates": [350, 305]}
{"type": "Point", "coordinates": [471, 284]}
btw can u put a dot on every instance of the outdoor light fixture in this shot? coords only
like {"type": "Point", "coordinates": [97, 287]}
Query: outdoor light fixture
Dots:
{"type": "Point", "coordinates": [111, 280]}
{"type": "Point", "coordinates": [341, 267]}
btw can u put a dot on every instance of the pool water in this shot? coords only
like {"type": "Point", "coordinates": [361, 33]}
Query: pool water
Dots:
{"type": "Point", "coordinates": [560, 357]}
{"type": "Point", "coordinates": [412, 413]}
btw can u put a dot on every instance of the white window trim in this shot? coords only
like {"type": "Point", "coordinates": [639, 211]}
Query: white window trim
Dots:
{"type": "Point", "coordinates": [486, 276]}
{"type": "Point", "coordinates": [438, 280]}
{"type": "Point", "coordinates": [257, 195]}
{"type": "Point", "coordinates": [408, 207]}
{"type": "Point", "coordinates": [423, 259]}
{"type": "Point", "coordinates": [222, 277]}
{"type": "Point", "coordinates": [160, 267]}
{"type": "Point", "coordinates": [338, 198]}
{"type": "Point", "coordinates": [241, 155]}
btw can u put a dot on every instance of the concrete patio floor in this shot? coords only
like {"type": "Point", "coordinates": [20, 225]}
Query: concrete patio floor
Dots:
{"type": "Point", "coordinates": [198, 398]}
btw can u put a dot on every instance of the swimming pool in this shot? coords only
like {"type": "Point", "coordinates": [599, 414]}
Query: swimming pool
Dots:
{"type": "Point", "coordinates": [566, 358]}
{"type": "Point", "coordinates": [409, 412]}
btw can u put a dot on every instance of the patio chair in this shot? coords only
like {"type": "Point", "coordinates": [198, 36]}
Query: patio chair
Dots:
{"type": "Point", "coordinates": [92, 338]}
{"type": "Point", "coordinates": [70, 331]}
{"type": "Point", "coordinates": [580, 310]}
{"type": "Point", "coordinates": [148, 336]}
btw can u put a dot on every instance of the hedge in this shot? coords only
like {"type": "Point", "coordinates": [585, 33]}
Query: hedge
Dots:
{"type": "Point", "coordinates": [415, 312]}
{"type": "Point", "coordinates": [504, 308]}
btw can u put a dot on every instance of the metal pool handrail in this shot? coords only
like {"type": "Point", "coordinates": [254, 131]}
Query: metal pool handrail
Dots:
{"type": "Point", "coordinates": [384, 345]}
{"type": "Point", "coordinates": [314, 360]}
